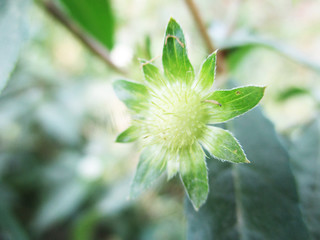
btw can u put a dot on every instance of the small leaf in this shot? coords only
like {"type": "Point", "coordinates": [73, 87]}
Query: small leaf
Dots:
{"type": "Point", "coordinates": [151, 165]}
{"type": "Point", "coordinates": [292, 92]}
{"type": "Point", "coordinates": [134, 95]}
{"type": "Point", "coordinates": [250, 201]}
{"type": "Point", "coordinates": [194, 174]}
{"type": "Point", "coordinates": [13, 21]}
{"type": "Point", "coordinates": [223, 146]}
{"type": "Point", "coordinates": [305, 159]}
{"type": "Point", "coordinates": [129, 135]}
{"type": "Point", "coordinates": [152, 74]}
{"type": "Point", "coordinates": [176, 64]}
{"type": "Point", "coordinates": [96, 18]}
{"type": "Point", "coordinates": [207, 72]}
{"type": "Point", "coordinates": [227, 104]}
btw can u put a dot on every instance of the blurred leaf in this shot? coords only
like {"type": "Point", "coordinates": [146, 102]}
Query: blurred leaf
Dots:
{"type": "Point", "coordinates": [96, 17]}
{"type": "Point", "coordinates": [13, 21]}
{"type": "Point", "coordinates": [85, 226]}
{"type": "Point", "coordinates": [252, 201]}
{"type": "Point", "coordinates": [60, 204]}
{"type": "Point", "coordinates": [291, 92]}
{"type": "Point", "coordinates": [305, 159]}
{"type": "Point", "coordinates": [9, 226]}
{"type": "Point", "coordinates": [243, 38]}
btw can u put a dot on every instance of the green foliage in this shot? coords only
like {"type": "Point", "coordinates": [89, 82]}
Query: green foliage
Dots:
{"type": "Point", "coordinates": [13, 29]}
{"type": "Point", "coordinates": [176, 64]}
{"type": "Point", "coordinates": [256, 201]}
{"type": "Point", "coordinates": [305, 159]}
{"type": "Point", "coordinates": [173, 117]}
{"type": "Point", "coordinates": [97, 18]}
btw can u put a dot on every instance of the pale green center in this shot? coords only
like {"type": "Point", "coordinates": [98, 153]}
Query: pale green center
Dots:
{"type": "Point", "coordinates": [176, 118]}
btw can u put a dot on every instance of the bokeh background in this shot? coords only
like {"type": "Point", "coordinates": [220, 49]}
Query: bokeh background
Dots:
{"type": "Point", "coordinates": [62, 176]}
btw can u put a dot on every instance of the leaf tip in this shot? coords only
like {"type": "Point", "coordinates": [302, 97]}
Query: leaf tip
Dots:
{"type": "Point", "coordinates": [247, 161]}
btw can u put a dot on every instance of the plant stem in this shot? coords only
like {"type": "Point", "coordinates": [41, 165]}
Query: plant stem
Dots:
{"type": "Point", "coordinates": [201, 26]}
{"type": "Point", "coordinates": [88, 41]}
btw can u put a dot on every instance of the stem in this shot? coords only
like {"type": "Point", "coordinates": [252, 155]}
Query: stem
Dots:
{"type": "Point", "coordinates": [88, 41]}
{"type": "Point", "coordinates": [221, 65]}
{"type": "Point", "coordinates": [201, 26]}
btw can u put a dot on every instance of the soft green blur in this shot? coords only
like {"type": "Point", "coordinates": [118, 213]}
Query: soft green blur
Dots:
{"type": "Point", "coordinates": [62, 176]}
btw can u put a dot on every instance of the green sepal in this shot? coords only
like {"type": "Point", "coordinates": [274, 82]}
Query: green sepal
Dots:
{"type": "Point", "coordinates": [207, 72]}
{"type": "Point", "coordinates": [152, 74]}
{"type": "Point", "coordinates": [133, 95]}
{"type": "Point", "coordinates": [222, 145]}
{"type": "Point", "coordinates": [175, 61]}
{"type": "Point", "coordinates": [151, 165]}
{"type": "Point", "coordinates": [129, 135]}
{"type": "Point", "coordinates": [227, 104]}
{"type": "Point", "coordinates": [194, 175]}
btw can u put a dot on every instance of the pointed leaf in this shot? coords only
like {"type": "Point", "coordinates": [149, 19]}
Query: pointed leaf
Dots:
{"type": "Point", "coordinates": [134, 95]}
{"type": "Point", "coordinates": [250, 201]}
{"type": "Point", "coordinates": [305, 159]}
{"type": "Point", "coordinates": [151, 165]}
{"type": "Point", "coordinates": [176, 64]}
{"type": "Point", "coordinates": [207, 72]}
{"type": "Point", "coordinates": [222, 145]}
{"type": "Point", "coordinates": [129, 135]}
{"type": "Point", "coordinates": [96, 18]}
{"type": "Point", "coordinates": [193, 172]}
{"type": "Point", "coordinates": [227, 104]}
{"type": "Point", "coordinates": [152, 74]}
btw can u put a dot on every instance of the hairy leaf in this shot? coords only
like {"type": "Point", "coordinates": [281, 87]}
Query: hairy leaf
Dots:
{"type": "Point", "coordinates": [134, 95]}
{"type": "Point", "coordinates": [250, 201]}
{"type": "Point", "coordinates": [207, 72]}
{"type": "Point", "coordinates": [176, 64]}
{"type": "Point", "coordinates": [232, 103]}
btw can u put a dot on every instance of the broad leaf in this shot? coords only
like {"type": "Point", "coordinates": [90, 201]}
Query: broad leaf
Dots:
{"type": "Point", "coordinates": [151, 165]}
{"type": "Point", "coordinates": [250, 201]}
{"type": "Point", "coordinates": [134, 95]}
{"type": "Point", "coordinates": [305, 158]}
{"type": "Point", "coordinates": [129, 135]}
{"type": "Point", "coordinates": [193, 172]}
{"type": "Point", "coordinates": [227, 104]}
{"type": "Point", "coordinates": [96, 17]}
{"type": "Point", "coordinates": [176, 64]}
{"type": "Point", "coordinates": [223, 146]}
{"type": "Point", "coordinates": [13, 21]}
{"type": "Point", "coordinates": [207, 72]}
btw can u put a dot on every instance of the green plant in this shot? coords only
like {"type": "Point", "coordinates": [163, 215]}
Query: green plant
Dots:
{"type": "Point", "coordinates": [173, 117]}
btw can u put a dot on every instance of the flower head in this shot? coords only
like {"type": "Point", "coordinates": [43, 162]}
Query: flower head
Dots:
{"type": "Point", "coordinates": [173, 116]}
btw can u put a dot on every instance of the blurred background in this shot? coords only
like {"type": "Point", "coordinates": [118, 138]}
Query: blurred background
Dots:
{"type": "Point", "coordinates": [62, 176]}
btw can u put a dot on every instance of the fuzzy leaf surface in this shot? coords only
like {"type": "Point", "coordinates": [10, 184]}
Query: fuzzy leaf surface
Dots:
{"type": "Point", "coordinates": [134, 95]}
{"type": "Point", "coordinates": [250, 201]}
{"type": "Point", "coordinates": [232, 103]}
{"type": "Point", "coordinates": [151, 165]}
{"type": "Point", "coordinates": [193, 172]}
{"type": "Point", "coordinates": [305, 159]}
{"type": "Point", "coordinates": [207, 72]}
{"type": "Point", "coordinates": [223, 145]}
{"type": "Point", "coordinates": [176, 64]}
